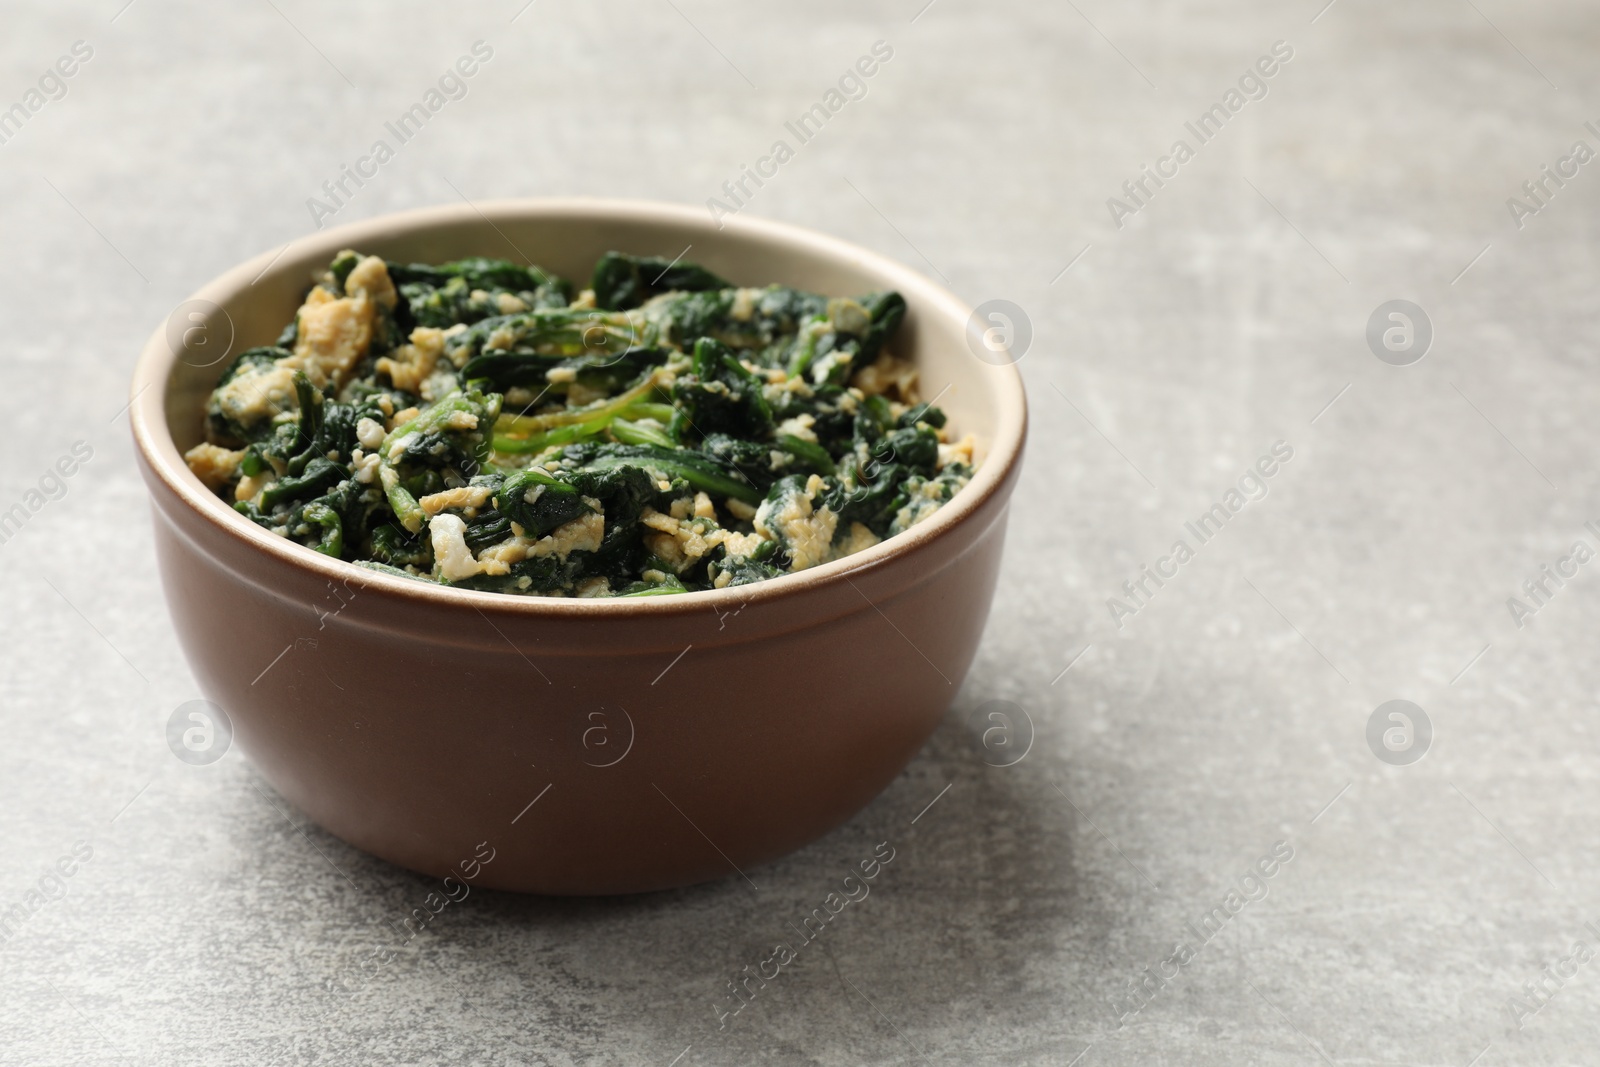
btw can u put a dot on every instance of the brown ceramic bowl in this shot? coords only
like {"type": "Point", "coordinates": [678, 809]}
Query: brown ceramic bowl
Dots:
{"type": "Point", "coordinates": [597, 746]}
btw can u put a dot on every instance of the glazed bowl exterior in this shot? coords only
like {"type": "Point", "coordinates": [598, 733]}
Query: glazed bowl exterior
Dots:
{"type": "Point", "coordinates": [593, 746]}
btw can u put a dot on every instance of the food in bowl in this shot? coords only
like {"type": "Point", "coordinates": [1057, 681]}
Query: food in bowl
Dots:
{"type": "Point", "coordinates": [476, 424]}
{"type": "Point", "coordinates": [414, 720]}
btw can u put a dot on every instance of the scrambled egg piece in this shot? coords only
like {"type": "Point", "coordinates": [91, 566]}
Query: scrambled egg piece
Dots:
{"type": "Point", "coordinates": [370, 433]}
{"type": "Point", "coordinates": [890, 376]}
{"type": "Point", "coordinates": [258, 392]}
{"type": "Point", "coordinates": [680, 541]}
{"type": "Point", "coordinates": [468, 497]}
{"type": "Point", "coordinates": [413, 364]}
{"type": "Point", "coordinates": [335, 331]}
{"type": "Point", "coordinates": [960, 452]}
{"type": "Point", "coordinates": [743, 308]}
{"type": "Point", "coordinates": [212, 465]}
{"type": "Point", "coordinates": [687, 535]}
{"type": "Point", "coordinates": [700, 507]}
{"type": "Point", "coordinates": [252, 486]}
{"type": "Point", "coordinates": [333, 336]}
{"type": "Point", "coordinates": [799, 426]}
{"type": "Point", "coordinates": [454, 561]}
{"type": "Point", "coordinates": [364, 466]}
{"type": "Point", "coordinates": [807, 534]}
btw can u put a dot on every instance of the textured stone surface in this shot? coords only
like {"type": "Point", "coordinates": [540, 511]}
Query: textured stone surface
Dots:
{"type": "Point", "coordinates": [1226, 716]}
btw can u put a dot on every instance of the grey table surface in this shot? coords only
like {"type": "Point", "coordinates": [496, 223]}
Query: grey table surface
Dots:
{"type": "Point", "coordinates": [1433, 912]}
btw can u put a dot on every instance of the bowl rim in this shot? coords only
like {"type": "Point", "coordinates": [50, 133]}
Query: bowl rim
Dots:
{"type": "Point", "coordinates": [153, 440]}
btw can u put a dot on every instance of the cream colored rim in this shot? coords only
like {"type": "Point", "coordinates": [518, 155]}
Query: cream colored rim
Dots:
{"type": "Point", "coordinates": [155, 364]}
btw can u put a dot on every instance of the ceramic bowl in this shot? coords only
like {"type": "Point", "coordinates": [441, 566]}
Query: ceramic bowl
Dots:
{"type": "Point", "coordinates": [591, 746]}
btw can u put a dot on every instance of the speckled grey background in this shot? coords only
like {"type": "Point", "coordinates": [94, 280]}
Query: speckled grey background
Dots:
{"type": "Point", "coordinates": [1228, 714]}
